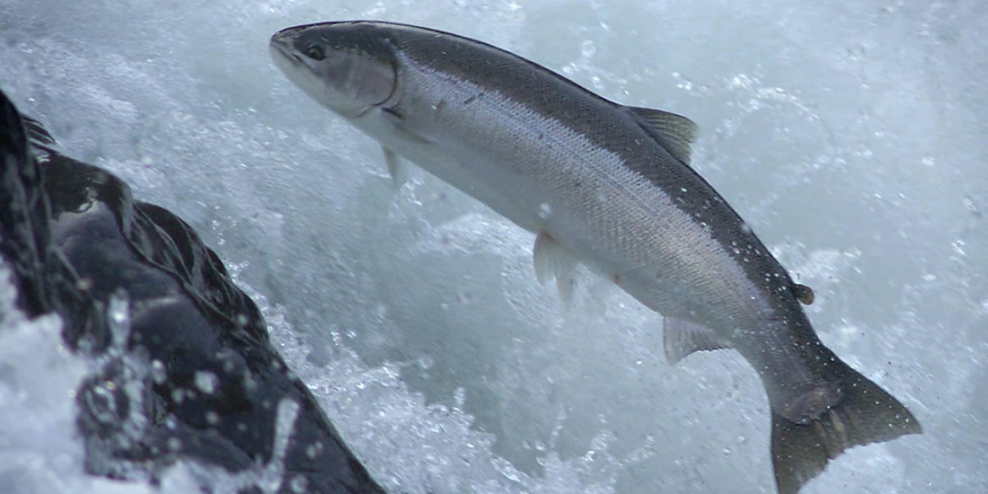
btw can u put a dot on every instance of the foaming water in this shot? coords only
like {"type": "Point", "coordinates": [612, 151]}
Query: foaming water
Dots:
{"type": "Point", "coordinates": [848, 136]}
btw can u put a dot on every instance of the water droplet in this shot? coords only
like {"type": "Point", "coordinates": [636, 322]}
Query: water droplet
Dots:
{"type": "Point", "coordinates": [381, 311]}
{"type": "Point", "coordinates": [929, 161]}
{"type": "Point", "coordinates": [958, 246]}
{"type": "Point", "coordinates": [299, 484]}
{"type": "Point", "coordinates": [971, 207]}
{"type": "Point", "coordinates": [588, 48]}
{"type": "Point", "coordinates": [212, 417]}
{"type": "Point", "coordinates": [545, 210]}
{"type": "Point", "coordinates": [314, 450]}
{"type": "Point", "coordinates": [206, 381]}
{"type": "Point", "coordinates": [158, 372]}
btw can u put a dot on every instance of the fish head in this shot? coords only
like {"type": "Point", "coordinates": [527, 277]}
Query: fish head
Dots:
{"type": "Point", "coordinates": [348, 67]}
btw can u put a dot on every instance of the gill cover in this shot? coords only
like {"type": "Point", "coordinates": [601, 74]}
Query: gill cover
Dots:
{"type": "Point", "coordinates": [347, 67]}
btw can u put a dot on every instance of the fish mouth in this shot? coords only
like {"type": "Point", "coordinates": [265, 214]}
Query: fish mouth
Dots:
{"type": "Point", "coordinates": [281, 44]}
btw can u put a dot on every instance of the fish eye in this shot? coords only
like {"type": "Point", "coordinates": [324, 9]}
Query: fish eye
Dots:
{"type": "Point", "coordinates": [315, 52]}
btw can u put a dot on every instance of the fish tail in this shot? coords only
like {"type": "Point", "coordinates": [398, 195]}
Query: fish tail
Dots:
{"type": "Point", "coordinates": [865, 414]}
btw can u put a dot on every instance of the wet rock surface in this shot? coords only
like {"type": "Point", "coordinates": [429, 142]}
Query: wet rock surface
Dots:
{"type": "Point", "coordinates": [186, 367]}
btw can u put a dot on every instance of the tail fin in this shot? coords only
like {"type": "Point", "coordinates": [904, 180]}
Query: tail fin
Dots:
{"type": "Point", "coordinates": [866, 414]}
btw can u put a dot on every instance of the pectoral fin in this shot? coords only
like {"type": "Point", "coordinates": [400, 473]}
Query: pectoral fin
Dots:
{"type": "Point", "coordinates": [682, 338]}
{"type": "Point", "coordinates": [553, 261]}
{"type": "Point", "coordinates": [397, 168]}
{"type": "Point", "coordinates": [402, 126]}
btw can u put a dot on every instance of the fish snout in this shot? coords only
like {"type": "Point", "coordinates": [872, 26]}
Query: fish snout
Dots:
{"type": "Point", "coordinates": [281, 43]}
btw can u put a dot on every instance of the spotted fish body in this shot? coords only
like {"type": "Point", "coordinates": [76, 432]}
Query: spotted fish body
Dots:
{"type": "Point", "coordinates": [605, 185]}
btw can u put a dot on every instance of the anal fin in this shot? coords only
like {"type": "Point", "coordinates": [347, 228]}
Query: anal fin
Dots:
{"type": "Point", "coordinates": [553, 261]}
{"type": "Point", "coordinates": [682, 338]}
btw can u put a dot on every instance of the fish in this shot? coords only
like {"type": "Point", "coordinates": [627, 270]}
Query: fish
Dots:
{"type": "Point", "coordinates": [605, 185]}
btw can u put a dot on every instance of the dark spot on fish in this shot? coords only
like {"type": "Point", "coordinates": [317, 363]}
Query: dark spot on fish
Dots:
{"type": "Point", "coordinates": [616, 278]}
{"type": "Point", "coordinates": [541, 135]}
{"type": "Point", "coordinates": [470, 99]}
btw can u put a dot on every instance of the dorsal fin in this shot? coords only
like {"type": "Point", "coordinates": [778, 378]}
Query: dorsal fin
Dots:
{"type": "Point", "coordinates": [675, 132]}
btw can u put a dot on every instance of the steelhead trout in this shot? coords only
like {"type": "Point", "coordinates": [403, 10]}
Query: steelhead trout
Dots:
{"type": "Point", "coordinates": [606, 185]}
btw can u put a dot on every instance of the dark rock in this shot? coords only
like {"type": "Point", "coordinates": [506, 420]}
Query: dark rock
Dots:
{"type": "Point", "coordinates": [188, 371]}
